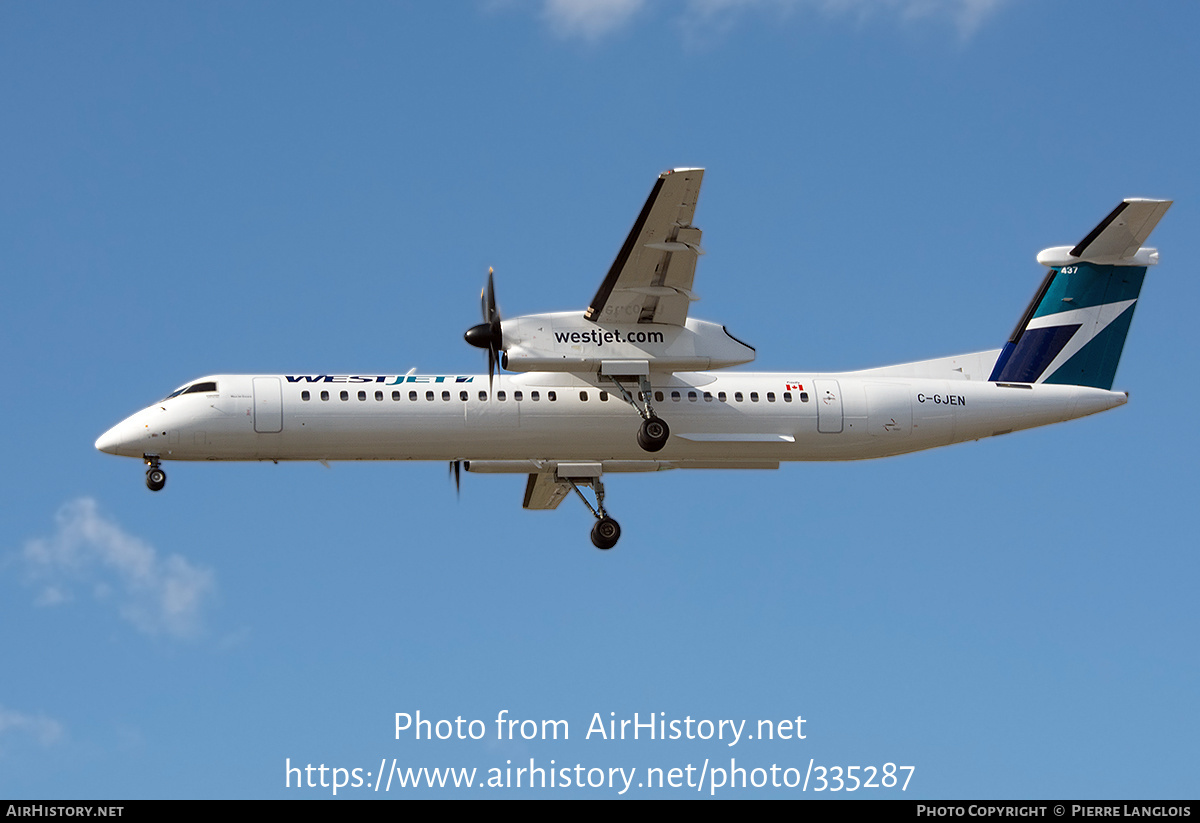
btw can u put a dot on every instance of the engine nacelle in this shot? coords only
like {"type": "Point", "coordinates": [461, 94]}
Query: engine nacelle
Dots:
{"type": "Point", "coordinates": [566, 342]}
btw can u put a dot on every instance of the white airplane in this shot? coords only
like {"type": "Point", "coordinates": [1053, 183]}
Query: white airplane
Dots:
{"type": "Point", "coordinates": [583, 378]}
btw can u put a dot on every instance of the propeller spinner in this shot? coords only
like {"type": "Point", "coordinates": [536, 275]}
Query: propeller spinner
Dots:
{"type": "Point", "coordinates": [488, 335]}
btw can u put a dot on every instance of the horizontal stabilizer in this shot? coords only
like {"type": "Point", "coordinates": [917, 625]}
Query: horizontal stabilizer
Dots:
{"type": "Point", "coordinates": [1122, 233]}
{"type": "Point", "coordinates": [1117, 240]}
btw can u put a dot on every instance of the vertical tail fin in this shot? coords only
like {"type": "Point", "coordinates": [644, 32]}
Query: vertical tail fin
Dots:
{"type": "Point", "coordinates": [1075, 328]}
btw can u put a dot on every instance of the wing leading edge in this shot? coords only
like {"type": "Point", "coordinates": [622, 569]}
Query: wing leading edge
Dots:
{"type": "Point", "coordinates": [650, 281]}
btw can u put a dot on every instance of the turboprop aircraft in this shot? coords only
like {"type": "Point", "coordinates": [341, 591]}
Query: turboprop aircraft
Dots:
{"type": "Point", "coordinates": [583, 379]}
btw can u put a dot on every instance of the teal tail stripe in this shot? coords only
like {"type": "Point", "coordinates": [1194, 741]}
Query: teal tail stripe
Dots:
{"type": "Point", "coordinates": [1075, 331]}
{"type": "Point", "coordinates": [1096, 363]}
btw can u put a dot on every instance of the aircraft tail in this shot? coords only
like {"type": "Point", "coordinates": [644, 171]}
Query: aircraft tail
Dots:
{"type": "Point", "coordinates": [1075, 328]}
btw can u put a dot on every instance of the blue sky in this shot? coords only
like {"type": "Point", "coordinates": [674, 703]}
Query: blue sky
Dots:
{"type": "Point", "coordinates": [223, 187]}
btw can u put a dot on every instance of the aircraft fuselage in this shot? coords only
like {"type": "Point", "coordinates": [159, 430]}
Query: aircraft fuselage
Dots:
{"type": "Point", "coordinates": [716, 419]}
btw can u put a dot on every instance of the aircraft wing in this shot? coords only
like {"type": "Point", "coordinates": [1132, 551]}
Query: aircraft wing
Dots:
{"type": "Point", "coordinates": [651, 279]}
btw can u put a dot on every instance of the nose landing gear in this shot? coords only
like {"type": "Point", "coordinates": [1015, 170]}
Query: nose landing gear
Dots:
{"type": "Point", "coordinates": [156, 478]}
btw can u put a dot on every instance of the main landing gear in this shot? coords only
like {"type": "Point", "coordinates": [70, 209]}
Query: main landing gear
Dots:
{"type": "Point", "coordinates": [156, 478]}
{"type": "Point", "coordinates": [653, 434]}
{"type": "Point", "coordinates": [606, 532]}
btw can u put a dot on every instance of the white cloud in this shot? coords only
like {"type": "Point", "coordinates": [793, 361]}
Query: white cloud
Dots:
{"type": "Point", "coordinates": [42, 729]}
{"type": "Point", "coordinates": [589, 19]}
{"type": "Point", "coordinates": [158, 595]}
{"type": "Point", "coordinates": [967, 15]}
{"type": "Point", "coordinates": [593, 19]}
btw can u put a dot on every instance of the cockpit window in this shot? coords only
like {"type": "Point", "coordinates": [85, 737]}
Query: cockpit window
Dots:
{"type": "Point", "coordinates": [207, 386]}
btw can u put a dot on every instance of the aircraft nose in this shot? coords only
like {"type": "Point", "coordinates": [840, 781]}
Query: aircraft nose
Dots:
{"type": "Point", "coordinates": [109, 441]}
{"type": "Point", "coordinates": [123, 438]}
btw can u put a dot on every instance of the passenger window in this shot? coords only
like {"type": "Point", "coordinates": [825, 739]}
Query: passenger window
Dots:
{"type": "Point", "coordinates": [378, 395]}
{"type": "Point", "coordinates": [787, 397]}
{"type": "Point", "coordinates": [412, 395]}
{"type": "Point", "coordinates": [770, 397]}
{"type": "Point", "coordinates": [737, 396]}
{"type": "Point", "coordinates": [534, 396]}
{"type": "Point", "coordinates": [551, 396]}
{"type": "Point", "coordinates": [708, 397]}
{"type": "Point", "coordinates": [462, 395]}
{"type": "Point", "coordinates": [500, 395]}
{"type": "Point", "coordinates": [345, 395]}
{"type": "Point", "coordinates": [304, 395]}
{"type": "Point", "coordinates": [753, 397]}
{"type": "Point", "coordinates": [583, 396]}
{"type": "Point", "coordinates": [692, 396]}
{"type": "Point", "coordinates": [445, 395]}
{"type": "Point", "coordinates": [428, 395]}
{"type": "Point", "coordinates": [324, 395]}
{"type": "Point", "coordinates": [658, 396]}
{"type": "Point", "coordinates": [674, 395]}
{"type": "Point", "coordinates": [803, 397]}
{"type": "Point", "coordinates": [395, 395]}
{"type": "Point", "coordinates": [604, 397]}
{"type": "Point", "coordinates": [362, 395]}
{"type": "Point", "coordinates": [721, 396]}
{"type": "Point", "coordinates": [483, 395]}
{"type": "Point", "coordinates": [518, 396]}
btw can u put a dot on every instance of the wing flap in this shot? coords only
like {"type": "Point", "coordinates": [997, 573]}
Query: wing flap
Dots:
{"type": "Point", "coordinates": [545, 491]}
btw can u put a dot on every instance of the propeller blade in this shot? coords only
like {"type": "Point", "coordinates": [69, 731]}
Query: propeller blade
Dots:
{"type": "Point", "coordinates": [456, 471]}
{"type": "Point", "coordinates": [489, 334]}
{"type": "Point", "coordinates": [491, 315]}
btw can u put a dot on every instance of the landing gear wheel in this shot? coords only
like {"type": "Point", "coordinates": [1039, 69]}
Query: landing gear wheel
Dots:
{"type": "Point", "coordinates": [156, 479]}
{"type": "Point", "coordinates": [605, 533]}
{"type": "Point", "coordinates": [653, 434]}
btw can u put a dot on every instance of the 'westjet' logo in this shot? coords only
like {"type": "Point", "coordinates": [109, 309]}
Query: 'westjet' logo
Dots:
{"type": "Point", "coordinates": [386, 379]}
{"type": "Point", "coordinates": [600, 337]}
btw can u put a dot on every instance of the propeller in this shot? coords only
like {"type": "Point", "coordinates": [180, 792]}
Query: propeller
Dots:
{"type": "Point", "coordinates": [488, 335]}
{"type": "Point", "coordinates": [456, 473]}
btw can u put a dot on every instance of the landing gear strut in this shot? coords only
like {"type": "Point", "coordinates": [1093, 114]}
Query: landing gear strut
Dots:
{"type": "Point", "coordinates": [156, 478]}
{"type": "Point", "coordinates": [653, 434]}
{"type": "Point", "coordinates": [606, 532]}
